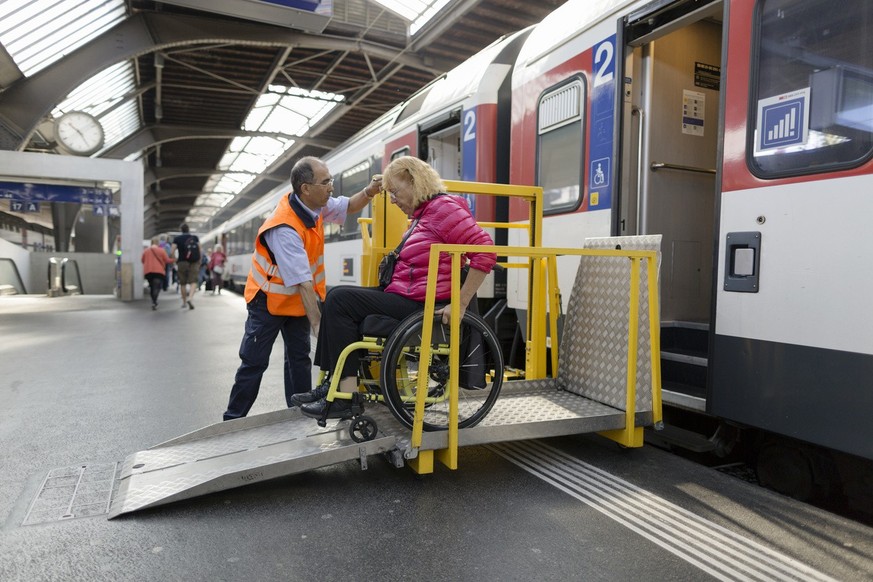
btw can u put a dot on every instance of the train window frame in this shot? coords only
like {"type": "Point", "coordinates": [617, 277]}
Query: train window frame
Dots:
{"type": "Point", "coordinates": [573, 120]}
{"type": "Point", "coordinates": [800, 162]}
{"type": "Point", "coordinates": [350, 228]}
{"type": "Point", "coordinates": [399, 153]}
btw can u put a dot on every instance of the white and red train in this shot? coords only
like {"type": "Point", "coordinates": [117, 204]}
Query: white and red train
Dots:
{"type": "Point", "coordinates": [741, 131]}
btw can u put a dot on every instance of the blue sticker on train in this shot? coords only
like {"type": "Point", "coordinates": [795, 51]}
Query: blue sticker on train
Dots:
{"type": "Point", "coordinates": [468, 152]}
{"type": "Point", "coordinates": [602, 123]}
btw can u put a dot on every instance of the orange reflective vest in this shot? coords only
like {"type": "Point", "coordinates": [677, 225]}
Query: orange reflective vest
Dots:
{"type": "Point", "coordinates": [264, 274]}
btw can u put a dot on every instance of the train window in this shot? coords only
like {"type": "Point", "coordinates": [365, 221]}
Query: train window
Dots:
{"type": "Point", "coordinates": [404, 151]}
{"type": "Point", "coordinates": [351, 182]}
{"type": "Point", "coordinates": [560, 143]}
{"type": "Point", "coordinates": [247, 240]}
{"type": "Point", "coordinates": [812, 87]}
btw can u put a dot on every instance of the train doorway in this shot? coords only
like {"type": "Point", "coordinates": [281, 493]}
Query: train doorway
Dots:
{"type": "Point", "coordinates": [671, 121]}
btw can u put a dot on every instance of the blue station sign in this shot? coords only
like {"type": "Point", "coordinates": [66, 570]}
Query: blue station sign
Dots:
{"type": "Point", "coordinates": [35, 193]}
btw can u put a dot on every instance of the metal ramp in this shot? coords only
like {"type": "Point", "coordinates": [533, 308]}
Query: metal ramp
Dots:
{"type": "Point", "coordinates": [258, 448]}
{"type": "Point", "coordinates": [241, 452]}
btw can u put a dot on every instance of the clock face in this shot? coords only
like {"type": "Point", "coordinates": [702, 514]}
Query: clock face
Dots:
{"type": "Point", "coordinates": [79, 132]}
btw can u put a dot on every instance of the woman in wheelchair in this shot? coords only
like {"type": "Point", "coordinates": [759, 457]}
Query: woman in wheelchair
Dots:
{"type": "Point", "coordinates": [417, 189]}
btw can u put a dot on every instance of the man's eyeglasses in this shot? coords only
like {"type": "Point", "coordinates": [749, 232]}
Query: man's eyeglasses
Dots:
{"type": "Point", "coordinates": [327, 182]}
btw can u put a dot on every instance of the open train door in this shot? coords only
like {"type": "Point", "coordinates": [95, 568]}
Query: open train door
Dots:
{"type": "Point", "coordinates": [671, 118]}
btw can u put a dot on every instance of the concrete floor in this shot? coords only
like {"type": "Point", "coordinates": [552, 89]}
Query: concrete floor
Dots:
{"type": "Point", "coordinates": [89, 380]}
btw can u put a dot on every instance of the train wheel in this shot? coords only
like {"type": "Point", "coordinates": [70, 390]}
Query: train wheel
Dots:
{"type": "Point", "coordinates": [480, 370]}
{"type": "Point", "coordinates": [785, 468]}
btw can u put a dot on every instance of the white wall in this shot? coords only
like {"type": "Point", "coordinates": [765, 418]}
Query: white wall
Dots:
{"type": "Point", "coordinates": [97, 271]}
{"type": "Point", "coordinates": [21, 258]}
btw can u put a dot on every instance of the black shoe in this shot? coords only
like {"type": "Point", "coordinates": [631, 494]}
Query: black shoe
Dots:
{"type": "Point", "coordinates": [313, 395]}
{"type": "Point", "coordinates": [339, 408]}
{"type": "Point", "coordinates": [190, 305]}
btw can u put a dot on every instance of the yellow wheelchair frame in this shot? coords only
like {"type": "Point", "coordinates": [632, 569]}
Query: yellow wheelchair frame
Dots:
{"type": "Point", "coordinates": [389, 374]}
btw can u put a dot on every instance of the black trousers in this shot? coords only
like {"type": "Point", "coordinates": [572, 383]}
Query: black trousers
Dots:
{"type": "Point", "coordinates": [262, 328]}
{"type": "Point", "coordinates": [156, 283]}
{"type": "Point", "coordinates": [344, 309]}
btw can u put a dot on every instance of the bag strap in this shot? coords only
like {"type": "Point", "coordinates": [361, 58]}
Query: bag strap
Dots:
{"type": "Point", "coordinates": [405, 236]}
{"type": "Point", "coordinates": [411, 227]}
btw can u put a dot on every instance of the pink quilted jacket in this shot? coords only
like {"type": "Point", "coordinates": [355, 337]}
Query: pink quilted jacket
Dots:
{"type": "Point", "coordinates": [442, 219]}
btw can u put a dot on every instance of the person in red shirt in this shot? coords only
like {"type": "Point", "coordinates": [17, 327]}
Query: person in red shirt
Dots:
{"type": "Point", "coordinates": [154, 265]}
{"type": "Point", "coordinates": [216, 266]}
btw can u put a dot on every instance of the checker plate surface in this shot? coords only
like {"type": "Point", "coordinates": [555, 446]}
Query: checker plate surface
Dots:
{"type": "Point", "coordinates": [594, 352]}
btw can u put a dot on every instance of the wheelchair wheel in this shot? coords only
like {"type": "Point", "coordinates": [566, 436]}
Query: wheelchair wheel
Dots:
{"type": "Point", "coordinates": [480, 372]}
{"type": "Point", "coordinates": [363, 429]}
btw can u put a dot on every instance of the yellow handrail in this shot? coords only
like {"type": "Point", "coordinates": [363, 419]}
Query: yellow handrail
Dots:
{"type": "Point", "coordinates": [631, 435]}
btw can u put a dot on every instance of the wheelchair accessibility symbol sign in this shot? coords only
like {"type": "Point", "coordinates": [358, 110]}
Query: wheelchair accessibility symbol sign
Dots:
{"type": "Point", "coordinates": [599, 174]}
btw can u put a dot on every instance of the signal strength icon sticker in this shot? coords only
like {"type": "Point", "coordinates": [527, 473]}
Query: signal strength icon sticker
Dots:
{"type": "Point", "coordinates": [783, 121]}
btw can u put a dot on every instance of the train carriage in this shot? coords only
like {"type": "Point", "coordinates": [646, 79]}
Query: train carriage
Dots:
{"type": "Point", "coordinates": [741, 131]}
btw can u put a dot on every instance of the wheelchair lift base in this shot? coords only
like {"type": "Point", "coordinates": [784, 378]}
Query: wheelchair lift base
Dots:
{"type": "Point", "coordinates": [257, 448]}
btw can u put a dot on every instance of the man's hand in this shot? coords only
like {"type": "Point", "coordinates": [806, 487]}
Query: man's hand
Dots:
{"type": "Point", "coordinates": [374, 187]}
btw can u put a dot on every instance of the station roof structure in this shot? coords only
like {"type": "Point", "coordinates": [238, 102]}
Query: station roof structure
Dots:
{"type": "Point", "coordinates": [217, 98]}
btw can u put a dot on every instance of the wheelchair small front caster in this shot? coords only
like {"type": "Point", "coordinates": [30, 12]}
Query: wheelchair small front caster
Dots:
{"type": "Point", "coordinates": [362, 429]}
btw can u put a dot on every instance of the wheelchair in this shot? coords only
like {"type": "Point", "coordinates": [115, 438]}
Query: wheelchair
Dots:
{"type": "Point", "coordinates": [388, 373]}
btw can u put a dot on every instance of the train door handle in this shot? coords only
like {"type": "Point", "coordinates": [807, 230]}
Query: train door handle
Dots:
{"type": "Point", "coordinates": [742, 262]}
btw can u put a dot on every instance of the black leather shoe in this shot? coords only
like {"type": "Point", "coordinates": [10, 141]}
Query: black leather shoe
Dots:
{"type": "Point", "coordinates": [313, 395]}
{"type": "Point", "coordinates": [339, 408]}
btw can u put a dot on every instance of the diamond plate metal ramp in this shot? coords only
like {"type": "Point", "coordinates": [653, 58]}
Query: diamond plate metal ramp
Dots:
{"type": "Point", "coordinates": [241, 452]}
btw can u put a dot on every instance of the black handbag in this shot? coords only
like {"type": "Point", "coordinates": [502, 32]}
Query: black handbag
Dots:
{"type": "Point", "coordinates": [389, 261]}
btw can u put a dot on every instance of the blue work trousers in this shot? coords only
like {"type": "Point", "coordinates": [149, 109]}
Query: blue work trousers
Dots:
{"type": "Point", "coordinates": [254, 351]}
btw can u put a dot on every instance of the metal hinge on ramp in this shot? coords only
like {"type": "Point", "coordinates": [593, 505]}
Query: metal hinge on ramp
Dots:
{"type": "Point", "coordinates": [236, 453]}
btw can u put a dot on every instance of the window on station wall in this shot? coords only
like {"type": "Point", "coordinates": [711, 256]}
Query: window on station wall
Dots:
{"type": "Point", "coordinates": [812, 87]}
{"type": "Point", "coordinates": [560, 146]}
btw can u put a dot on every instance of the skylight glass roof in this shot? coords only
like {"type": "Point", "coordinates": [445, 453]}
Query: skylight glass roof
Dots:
{"type": "Point", "coordinates": [37, 33]}
{"type": "Point", "coordinates": [282, 110]}
{"type": "Point", "coordinates": [417, 12]}
{"type": "Point", "coordinates": [103, 96]}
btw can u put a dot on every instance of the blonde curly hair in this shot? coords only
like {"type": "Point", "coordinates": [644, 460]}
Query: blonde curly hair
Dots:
{"type": "Point", "coordinates": [424, 180]}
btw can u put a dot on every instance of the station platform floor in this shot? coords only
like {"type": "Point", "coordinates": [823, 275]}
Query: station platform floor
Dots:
{"type": "Point", "coordinates": [89, 380]}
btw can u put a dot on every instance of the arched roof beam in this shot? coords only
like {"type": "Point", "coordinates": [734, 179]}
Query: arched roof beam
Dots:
{"type": "Point", "coordinates": [158, 175]}
{"type": "Point", "coordinates": [29, 100]}
{"type": "Point", "coordinates": [153, 135]}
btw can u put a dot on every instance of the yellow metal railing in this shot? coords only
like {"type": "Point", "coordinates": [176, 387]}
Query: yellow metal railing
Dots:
{"type": "Point", "coordinates": [543, 293]}
{"type": "Point", "coordinates": [383, 232]}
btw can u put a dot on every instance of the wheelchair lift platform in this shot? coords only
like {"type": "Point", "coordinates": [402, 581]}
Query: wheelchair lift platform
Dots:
{"type": "Point", "coordinates": [608, 382]}
{"type": "Point", "coordinates": [257, 448]}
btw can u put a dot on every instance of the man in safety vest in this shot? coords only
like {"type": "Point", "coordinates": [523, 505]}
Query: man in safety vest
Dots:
{"type": "Point", "coordinates": [287, 281]}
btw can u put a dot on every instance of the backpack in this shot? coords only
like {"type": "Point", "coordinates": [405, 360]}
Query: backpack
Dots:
{"type": "Point", "coordinates": [191, 252]}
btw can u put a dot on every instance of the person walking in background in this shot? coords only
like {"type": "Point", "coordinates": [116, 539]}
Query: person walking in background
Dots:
{"type": "Point", "coordinates": [186, 247]}
{"type": "Point", "coordinates": [204, 280]}
{"type": "Point", "coordinates": [168, 248]}
{"type": "Point", "coordinates": [287, 281]}
{"type": "Point", "coordinates": [154, 265]}
{"type": "Point", "coordinates": [216, 266]}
